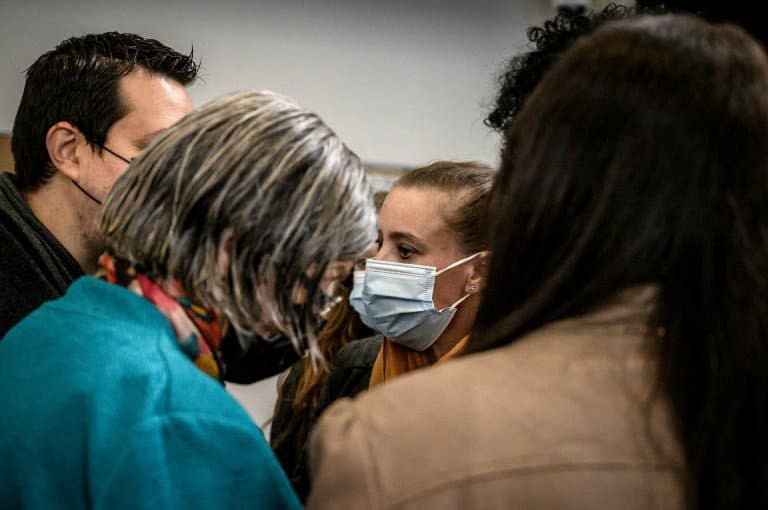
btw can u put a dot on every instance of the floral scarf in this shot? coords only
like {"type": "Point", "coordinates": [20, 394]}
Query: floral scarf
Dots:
{"type": "Point", "coordinates": [197, 330]}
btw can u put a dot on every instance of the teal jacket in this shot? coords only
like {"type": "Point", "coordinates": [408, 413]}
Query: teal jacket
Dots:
{"type": "Point", "coordinates": [99, 408]}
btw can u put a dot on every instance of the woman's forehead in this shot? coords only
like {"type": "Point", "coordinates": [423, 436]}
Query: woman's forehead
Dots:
{"type": "Point", "coordinates": [415, 211]}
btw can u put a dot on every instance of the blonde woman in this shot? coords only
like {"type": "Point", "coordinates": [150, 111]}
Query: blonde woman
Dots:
{"type": "Point", "coordinates": [421, 290]}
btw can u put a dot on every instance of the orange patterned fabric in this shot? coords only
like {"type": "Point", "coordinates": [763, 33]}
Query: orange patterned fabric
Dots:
{"type": "Point", "coordinates": [395, 360]}
{"type": "Point", "coordinates": [197, 330]}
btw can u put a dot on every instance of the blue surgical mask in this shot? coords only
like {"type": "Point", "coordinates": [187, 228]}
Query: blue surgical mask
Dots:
{"type": "Point", "coordinates": [396, 300]}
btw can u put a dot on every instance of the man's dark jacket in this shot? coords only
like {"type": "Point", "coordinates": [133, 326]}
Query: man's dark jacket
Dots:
{"type": "Point", "coordinates": [34, 266]}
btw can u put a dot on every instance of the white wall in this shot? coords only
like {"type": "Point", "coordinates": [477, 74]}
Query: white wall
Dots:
{"type": "Point", "coordinates": [403, 82]}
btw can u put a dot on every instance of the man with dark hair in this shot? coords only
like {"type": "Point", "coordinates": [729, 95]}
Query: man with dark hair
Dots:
{"type": "Point", "coordinates": [89, 106]}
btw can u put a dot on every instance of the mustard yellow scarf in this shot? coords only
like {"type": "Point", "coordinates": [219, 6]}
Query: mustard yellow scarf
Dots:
{"type": "Point", "coordinates": [395, 360]}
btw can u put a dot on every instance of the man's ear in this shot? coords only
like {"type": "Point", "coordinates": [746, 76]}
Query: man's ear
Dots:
{"type": "Point", "coordinates": [477, 278]}
{"type": "Point", "coordinates": [63, 141]}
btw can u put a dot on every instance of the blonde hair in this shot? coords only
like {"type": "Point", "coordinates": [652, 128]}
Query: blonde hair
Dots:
{"type": "Point", "coordinates": [469, 185]}
{"type": "Point", "coordinates": [240, 201]}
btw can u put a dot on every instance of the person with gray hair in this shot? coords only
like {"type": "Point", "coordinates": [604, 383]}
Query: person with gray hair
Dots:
{"type": "Point", "coordinates": [234, 223]}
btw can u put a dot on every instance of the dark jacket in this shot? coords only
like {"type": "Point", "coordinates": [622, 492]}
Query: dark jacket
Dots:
{"type": "Point", "coordinates": [34, 266]}
{"type": "Point", "coordinates": [349, 376]}
{"type": "Point", "coordinates": [351, 372]}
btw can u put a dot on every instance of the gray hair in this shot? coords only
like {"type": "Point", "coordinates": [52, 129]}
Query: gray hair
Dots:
{"type": "Point", "coordinates": [237, 202]}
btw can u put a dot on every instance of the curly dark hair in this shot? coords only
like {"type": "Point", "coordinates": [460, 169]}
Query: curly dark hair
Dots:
{"type": "Point", "coordinates": [523, 72]}
{"type": "Point", "coordinates": [78, 82]}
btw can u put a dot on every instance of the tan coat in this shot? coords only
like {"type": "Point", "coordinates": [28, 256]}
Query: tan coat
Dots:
{"type": "Point", "coordinates": [558, 419]}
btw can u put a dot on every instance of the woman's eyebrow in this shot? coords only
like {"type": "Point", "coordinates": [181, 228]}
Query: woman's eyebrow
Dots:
{"type": "Point", "coordinates": [404, 236]}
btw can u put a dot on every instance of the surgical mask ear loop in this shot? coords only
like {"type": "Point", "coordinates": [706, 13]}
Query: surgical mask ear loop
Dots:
{"type": "Point", "coordinates": [451, 266]}
{"type": "Point", "coordinates": [458, 263]}
{"type": "Point", "coordinates": [457, 303]}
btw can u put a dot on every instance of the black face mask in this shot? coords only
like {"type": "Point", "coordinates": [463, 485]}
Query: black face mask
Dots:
{"type": "Point", "coordinates": [250, 359]}
{"type": "Point", "coordinates": [254, 358]}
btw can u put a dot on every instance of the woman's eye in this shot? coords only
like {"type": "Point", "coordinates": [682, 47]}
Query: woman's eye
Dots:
{"type": "Point", "coordinates": [405, 251]}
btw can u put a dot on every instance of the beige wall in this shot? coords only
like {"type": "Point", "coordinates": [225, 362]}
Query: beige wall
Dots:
{"type": "Point", "coordinates": [6, 158]}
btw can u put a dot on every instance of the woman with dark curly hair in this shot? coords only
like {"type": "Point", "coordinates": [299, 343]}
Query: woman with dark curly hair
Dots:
{"type": "Point", "coordinates": [523, 72]}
